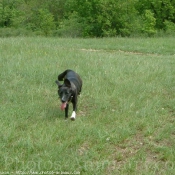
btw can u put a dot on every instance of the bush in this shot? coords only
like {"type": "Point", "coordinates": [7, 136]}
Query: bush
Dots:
{"type": "Point", "coordinates": [9, 32]}
{"type": "Point", "coordinates": [71, 27]}
{"type": "Point", "coordinates": [169, 27]}
{"type": "Point", "coordinates": [149, 23]}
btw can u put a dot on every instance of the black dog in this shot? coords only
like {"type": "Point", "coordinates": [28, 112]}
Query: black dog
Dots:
{"type": "Point", "coordinates": [69, 90]}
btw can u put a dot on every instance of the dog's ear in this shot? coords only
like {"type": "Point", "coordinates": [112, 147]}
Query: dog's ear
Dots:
{"type": "Point", "coordinates": [67, 83]}
{"type": "Point", "coordinates": [58, 83]}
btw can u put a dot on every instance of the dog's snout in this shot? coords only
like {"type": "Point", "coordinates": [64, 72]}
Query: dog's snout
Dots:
{"type": "Point", "coordinates": [63, 101]}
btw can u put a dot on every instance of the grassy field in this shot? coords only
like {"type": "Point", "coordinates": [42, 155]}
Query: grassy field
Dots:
{"type": "Point", "coordinates": [126, 113]}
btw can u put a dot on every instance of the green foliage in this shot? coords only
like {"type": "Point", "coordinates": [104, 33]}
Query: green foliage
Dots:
{"type": "Point", "coordinates": [9, 32]}
{"type": "Point", "coordinates": [106, 19]}
{"type": "Point", "coordinates": [10, 16]}
{"type": "Point", "coordinates": [42, 20]}
{"type": "Point", "coordinates": [169, 27]}
{"type": "Point", "coordinates": [162, 9]}
{"type": "Point", "coordinates": [71, 27]}
{"type": "Point", "coordinates": [149, 23]}
{"type": "Point", "coordinates": [5, 16]}
{"type": "Point", "coordinates": [127, 18]}
{"type": "Point", "coordinates": [90, 18]}
{"type": "Point", "coordinates": [87, 13]}
{"type": "Point", "coordinates": [45, 21]}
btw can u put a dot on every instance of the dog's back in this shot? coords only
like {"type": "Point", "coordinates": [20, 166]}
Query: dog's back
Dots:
{"type": "Point", "coordinates": [72, 77]}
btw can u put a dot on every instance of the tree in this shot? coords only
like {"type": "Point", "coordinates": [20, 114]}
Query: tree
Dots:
{"type": "Point", "coordinates": [149, 23]}
{"type": "Point", "coordinates": [89, 18]}
{"type": "Point", "coordinates": [9, 13]}
{"type": "Point", "coordinates": [162, 9]}
{"type": "Point", "coordinates": [43, 20]}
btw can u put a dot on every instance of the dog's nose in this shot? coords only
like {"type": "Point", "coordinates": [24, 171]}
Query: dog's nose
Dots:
{"type": "Point", "coordinates": [63, 101]}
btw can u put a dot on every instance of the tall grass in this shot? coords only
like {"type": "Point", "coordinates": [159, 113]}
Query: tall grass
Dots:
{"type": "Point", "coordinates": [126, 113]}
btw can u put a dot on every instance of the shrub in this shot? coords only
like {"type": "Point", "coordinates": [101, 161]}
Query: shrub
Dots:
{"type": "Point", "coordinates": [169, 27]}
{"type": "Point", "coordinates": [8, 32]}
{"type": "Point", "coordinates": [149, 23]}
{"type": "Point", "coordinates": [71, 27]}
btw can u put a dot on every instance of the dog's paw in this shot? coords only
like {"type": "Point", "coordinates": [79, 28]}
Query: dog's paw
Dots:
{"type": "Point", "coordinates": [73, 116]}
{"type": "Point", "coordinates": [73, 119]}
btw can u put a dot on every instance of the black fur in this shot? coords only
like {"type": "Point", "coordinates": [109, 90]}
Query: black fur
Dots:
{"type": "Point", "coordinates": [70, 89]}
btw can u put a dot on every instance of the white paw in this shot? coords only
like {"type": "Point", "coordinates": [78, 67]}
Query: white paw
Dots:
{"type": "Point", "coordinates": [73, 115]}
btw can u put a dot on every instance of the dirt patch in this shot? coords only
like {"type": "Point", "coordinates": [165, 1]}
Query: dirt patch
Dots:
{"type": "Point", "coordinates": [83, 149]}
{"type": "Point", "coordinates": [131, 149]}
{"type": "Point", "coordinates": [122, 51]}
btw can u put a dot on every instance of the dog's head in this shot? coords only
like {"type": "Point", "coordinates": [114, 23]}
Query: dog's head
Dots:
{"type": "Point", "coordinates": [65, 92]}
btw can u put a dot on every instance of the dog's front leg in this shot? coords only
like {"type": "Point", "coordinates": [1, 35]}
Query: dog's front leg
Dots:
{"type": "Point", "coordinates": [66, 111]}
{"type": "Point", "coordinates": [73, 116]}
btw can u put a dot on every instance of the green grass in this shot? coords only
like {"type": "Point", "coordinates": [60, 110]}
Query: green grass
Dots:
{"type": "Point", "coordinates": [126, 113]}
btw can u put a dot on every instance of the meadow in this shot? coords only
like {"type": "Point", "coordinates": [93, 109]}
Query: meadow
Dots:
{"type": "Point", "coordinates": [126, 113]}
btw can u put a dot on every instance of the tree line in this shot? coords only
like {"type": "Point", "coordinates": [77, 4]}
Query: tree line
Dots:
{"type": "Point", "coordinates": [87, 18]}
